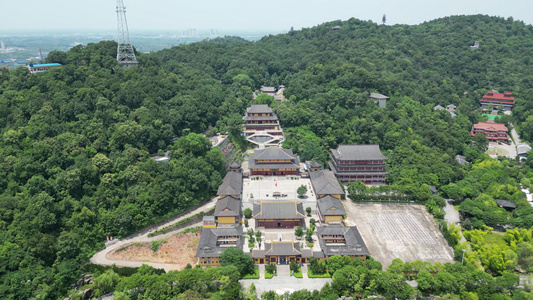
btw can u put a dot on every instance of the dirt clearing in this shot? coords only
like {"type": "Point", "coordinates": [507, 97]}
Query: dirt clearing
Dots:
{"type": "Point", "coordinates": [177, 249]}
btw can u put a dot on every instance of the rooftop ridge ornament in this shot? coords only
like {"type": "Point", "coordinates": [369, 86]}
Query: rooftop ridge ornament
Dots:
{"type": "Point", "coordinates": [125, 54]}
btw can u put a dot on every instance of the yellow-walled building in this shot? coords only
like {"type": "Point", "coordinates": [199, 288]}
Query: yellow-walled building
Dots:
{"type": "Point", "coordinates": [325, 183]}
{"type": "Point", "coordinates": [228, 211]}
{"type": "Point", "coordinates": [214, 241]}
{"type": "Point", "coordinates": [330, 210]}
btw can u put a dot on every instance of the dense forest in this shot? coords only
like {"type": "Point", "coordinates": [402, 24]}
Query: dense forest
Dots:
{"type": "Point", "coordinates": [75, 141]}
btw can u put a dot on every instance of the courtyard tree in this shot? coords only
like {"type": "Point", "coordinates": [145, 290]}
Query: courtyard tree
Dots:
{"type": "Point", "coordinates": [299, 232]}
{"type": "Point", "coordinates": [309, 232]}
{"type": "Point", "coordinates": [247, 213]}
{"type": "Point", "coordinates": [308, 210]}
{"type": "Point", "coordinates": [302, 189]}
{"type": "Point", "coordinates": [294, 266]}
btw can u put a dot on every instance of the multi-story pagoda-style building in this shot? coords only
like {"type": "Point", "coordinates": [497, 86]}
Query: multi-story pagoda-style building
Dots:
{"type": "Point", "coordinates": [358, 163]}
{"type": "Point", "coordinates": [262, 126]}
{"type": "Point", "coordinates": [506, 100]}
{"type": "Point", "coordinates": [493, 131]}
{"type": "Point", "coordinates": [274, 161]}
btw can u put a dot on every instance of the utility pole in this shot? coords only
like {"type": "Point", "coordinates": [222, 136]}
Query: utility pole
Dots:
{"type": "Point", "coordinates": [463, 259]}
{"type": "Point", "coordinates": [125, 54]}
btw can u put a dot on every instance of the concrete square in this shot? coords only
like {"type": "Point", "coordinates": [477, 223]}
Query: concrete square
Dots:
{"type": "Point", "coordinates": [407, 232]}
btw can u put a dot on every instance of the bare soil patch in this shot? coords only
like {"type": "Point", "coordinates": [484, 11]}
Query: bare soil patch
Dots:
{"type": "Point", "coordinates": [176, 249]}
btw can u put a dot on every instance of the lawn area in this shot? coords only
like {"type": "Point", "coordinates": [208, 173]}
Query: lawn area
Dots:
{"type": "Point", "coordinates": [268, 275]}
{"type": "Point", "coordinates": [298, 274]}
{"type": "Point", "coordinates": [255, 275]}
{"type": "Point", "coordinates": [495, 239]}
{"type": "Point", "coordinates": [311, 275]}
{"type": "Point", "coordinates": [491, 117]}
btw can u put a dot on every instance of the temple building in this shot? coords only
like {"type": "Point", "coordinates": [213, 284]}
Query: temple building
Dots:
{"type": "Point", "coordinates": [379, 99]}
{"type": "Point", "coordinates": [493, 131]}
{"type": "Point", "coordinates": [278, 214]}
{"type": "Point", "coordinates": [231, 185]}
{"type": "Point", "coordinates": [281, 253]}
{"type": "Point", "coordinates": [214, 241]}
{"type": "Point", "coordinates": [274, 161]}
{"type": "Point", "coordinates": [359, 163]}
{"type": "Point", "coordinates": [228, 211]}
{"type": "Point", "coordinates": [325, 183]}
{"type": "Point", "coordinates": [341, 240]}
{"type": "Point", "coordinates": [495, 99]}
{"type": "Point", "coordinates": [261, 126]}
{"type": "Point", "coordinates": [330, 210]}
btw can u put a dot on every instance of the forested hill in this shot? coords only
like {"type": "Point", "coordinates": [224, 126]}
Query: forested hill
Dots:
{"type": "Point", "coordinates": [75, 141]}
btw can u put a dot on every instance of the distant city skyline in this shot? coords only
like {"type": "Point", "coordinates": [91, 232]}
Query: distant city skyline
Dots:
{"type": "Point", "coordinates": [273, 15]}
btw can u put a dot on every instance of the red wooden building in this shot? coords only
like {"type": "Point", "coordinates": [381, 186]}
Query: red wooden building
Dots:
{"type": "Point", "coordinates": [506, 100]}
{"type": "Point", "coordinates": [493, 131]}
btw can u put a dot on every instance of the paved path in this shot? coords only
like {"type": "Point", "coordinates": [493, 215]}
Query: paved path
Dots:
{"type": "Point", "coordinates": [285, 283]}
{"type": "Point", "coordinates": [100, 258]}
{"type": "Point", "coordinates": [261, 271]}
{"type": "Point", "coordinates": [452, 216]}
{"type": "Point", "coordinates": [515, 135]}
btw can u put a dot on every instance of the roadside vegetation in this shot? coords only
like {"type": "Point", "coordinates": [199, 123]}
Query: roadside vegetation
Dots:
{"type": "Point", "coordinates": [75, 146]}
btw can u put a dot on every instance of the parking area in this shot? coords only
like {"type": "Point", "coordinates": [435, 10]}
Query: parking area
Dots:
{"type": "Point", "coordinates": [390, 231]}
{"type": "Point", "coordinates": [502, 149]}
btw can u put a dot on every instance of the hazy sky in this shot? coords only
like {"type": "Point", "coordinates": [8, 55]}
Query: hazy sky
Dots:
{"type": "Point", "coordinates": [241, 14]}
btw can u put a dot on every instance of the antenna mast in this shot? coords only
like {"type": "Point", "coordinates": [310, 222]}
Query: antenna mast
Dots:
{"type": "Point", "coordinates": [125, 53]}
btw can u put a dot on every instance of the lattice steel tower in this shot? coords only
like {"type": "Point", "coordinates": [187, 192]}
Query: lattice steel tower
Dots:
{"type": "Point", "coordinates": [125, 53]}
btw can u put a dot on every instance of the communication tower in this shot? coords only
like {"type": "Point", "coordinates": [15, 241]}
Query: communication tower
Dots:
{"type": "Point", "coordinates": [125, 53]}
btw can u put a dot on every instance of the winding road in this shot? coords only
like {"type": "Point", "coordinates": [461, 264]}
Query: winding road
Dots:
{"type": "Point", "coordinates": [100, 258]}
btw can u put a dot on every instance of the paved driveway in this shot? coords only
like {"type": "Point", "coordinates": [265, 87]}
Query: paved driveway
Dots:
{"type": "Point", "coordinates": [284, 283]}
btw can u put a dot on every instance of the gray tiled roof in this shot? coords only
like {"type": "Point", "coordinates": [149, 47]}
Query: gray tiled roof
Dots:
{"type": "Point", "coordinates": [522, 148]}
{"type": "Point", "coordinates": [278, 210]}
{"type": "Point", "coordinates": [231, 185]}
{"type": "Point", "coordinates": [325, 183]}
{"type": "Point", "coordinates": [258, 253]}
{"type": "Point", "coordinates": [358, 152]}
{"type": "Point", "coordinates": [307, 252]}
{"type": "Point", "coordinates": [378, 96]}
{"type": "Point", "coordinates": [354, 243]}
{"type": "Point", "coordinates": [228, 207]}
{"type": "Point", "coordinates": [330, 206]}
{"type": "Point", "coordinates": [282, 248]}
{"type": "Point", "coordinates": [505, 204]}
{"type": "Point", "coordinates": [265, 89]}
{"type": "Point", "coordinates": [207, 246]}
{"type": "Point", "coordinates": [259, 108]}
{"type": "Point", "coordinates": [461, 159]}
{"type": "Point", "coordinates": [272, 153]}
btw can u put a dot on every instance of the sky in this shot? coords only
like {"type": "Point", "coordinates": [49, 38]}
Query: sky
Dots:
{"type": "Point", "coordinates": [274, 15]}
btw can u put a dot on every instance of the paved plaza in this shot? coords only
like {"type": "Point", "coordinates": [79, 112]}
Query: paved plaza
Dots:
{"type": "Point", "coordinates": [400, 231]}
{"type": "Point", "coordinates": [255, 190]}
{"type": "Point", "coordinates": [282, 284]}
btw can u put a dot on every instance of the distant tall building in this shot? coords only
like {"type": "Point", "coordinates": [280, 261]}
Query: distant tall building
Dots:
{"type": "Point", "coordinates": [125, 54]}
{"type": "Point", "coordinates": [2, 47]}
